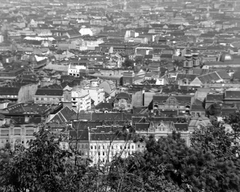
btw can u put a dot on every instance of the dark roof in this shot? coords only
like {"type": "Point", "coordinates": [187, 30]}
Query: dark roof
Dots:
{"type": "Point", "coordinates": [63, 116]}
{"type": "Point", "coordinates": [80, 134]}
{"type": "Point", "coordinates": [9, 90]}
{"type": "Point", "coordinates": [142, 126]}
{"type": "Point", "coordinates": [231, 94]}
{"type": "Point", "coordinates": [209, 78]}
{"type": "Point", "coordinates": [197, 108]}
{"type": "Point", "coordinates": [123, 95]}
{"type": "Point", "coordinates": [51, 92]}
{"type": "Point", "coordinates": [190, 77]}
{"type": "Point", "coordinates": [181, 126]}
{"type": "Point", "coordinates": [111, 117]}
{"type": "Point", "coordinates": [105, 136]}
{"type": "Point", "coordinates": [102, 105]}
{"type": "Point", "coordinates": [214, 97]}
{"type": "Point", "coordinates": [32, 108]}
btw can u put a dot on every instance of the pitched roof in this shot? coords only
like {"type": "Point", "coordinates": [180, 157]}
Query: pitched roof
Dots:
{"type": "Point", "coordinates": [190, 77]}
{"type": "Point", "coordinates": [223, 74]}
{"type": "Point", "coordinates": [214, 97]}
{"type": "Point", "coordinates": [210, 77]}
{"type": "Point", "coordinates": [63, 116]}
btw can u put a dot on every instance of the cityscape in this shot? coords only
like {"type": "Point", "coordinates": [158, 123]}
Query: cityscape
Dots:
{"type": "Point", "coordinates": [153, 85]}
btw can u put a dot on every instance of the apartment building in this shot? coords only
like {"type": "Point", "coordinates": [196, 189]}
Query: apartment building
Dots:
{"type": "Point", "coordinates": [21, 134]}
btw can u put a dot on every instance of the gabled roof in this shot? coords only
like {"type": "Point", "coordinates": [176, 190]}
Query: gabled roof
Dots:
{"type": "Point", "coordinates": [223, 74]}
{"type": "Point", "coordinates": [63, 116]}
{"type": "Point", "coordinates": [210, 77]}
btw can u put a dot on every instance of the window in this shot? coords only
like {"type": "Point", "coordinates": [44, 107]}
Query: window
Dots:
{"type": "Point", "coordinates": [120, 146]}
{"type": "Point", "coordinates": [4, 132]}
{"type": "Point", "coordinates": [91, 147]}
{"type": "Point", "coordinates": [99, 153]}
{"type": "Point", "coordinates": [103, 153]}
{"type": "Point", "coordinates": [95, 147]}
{"type": "Point", "coordinates": [132, 146]}
{"type": "Point", "coordinates": [17, 131]}
{"type": "Point", "coordinates": [29, 132]}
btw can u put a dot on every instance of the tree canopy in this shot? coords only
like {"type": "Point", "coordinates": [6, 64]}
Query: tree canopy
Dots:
{"type": "Point", "coordinates": [210, 164]}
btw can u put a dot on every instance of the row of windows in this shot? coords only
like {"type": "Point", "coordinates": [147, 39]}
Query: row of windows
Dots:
{"type": "Point", "coordinates": [74, 74]}
{"type": "Point", "coordinates": [85, 146]}
{"type": "Point", "coordinates": [113, 147]}
{"type": "Point", "coordinates": [47, 99]}
{"type": "Point", "coordinates": [6, 141]}
{"type": "Point", "coordinates": [111, 153]}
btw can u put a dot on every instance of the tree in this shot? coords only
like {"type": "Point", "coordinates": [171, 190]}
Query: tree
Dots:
{"type": "Point", "coordinates": [142, 171]}
{"type": "Point", "coordinates": [214, 110]}
{"type": "Point", "coordinates": [128, 63]}
{"type": "Point", "coordinates": [220, 170]}
{"type": "Point", "coordinates": [210, 164]}
{"type": "Point", "coordinates": [42, 167]}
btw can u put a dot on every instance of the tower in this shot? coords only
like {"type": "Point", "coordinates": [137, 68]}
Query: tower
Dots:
{"type": "Point", "coordinates": [188, 62]}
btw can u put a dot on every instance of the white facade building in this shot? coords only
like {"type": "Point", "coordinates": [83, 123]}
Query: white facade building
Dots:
{"type": "Point", "coordinates": [102, 147]}
{"type": "Point", "coordinates": [85, 31]}
{"type": "Point", "coordinates": [74, 70]}
{"type": "Point", "coordinates": [79, 99]}
{"type": "Point", "coordinates": [96, 93]}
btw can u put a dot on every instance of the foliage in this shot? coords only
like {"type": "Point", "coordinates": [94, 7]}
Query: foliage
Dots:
{"type": "Point", "coordinates": [128, 63]}
{"type": "Point", "coordinates": [214, 110]}
{"type": "Point", "coordinates": [167, 164]}
{"type": "Point", "coordinates": [144, 171]}
{"type": "Point", "coordinates": [210, 164]}
{"type": "Point", "coordinates": [42, 167]}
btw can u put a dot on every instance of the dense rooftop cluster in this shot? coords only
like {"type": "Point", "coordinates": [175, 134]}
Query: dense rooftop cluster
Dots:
{"type": "Point", "coordinates": [89, 69]}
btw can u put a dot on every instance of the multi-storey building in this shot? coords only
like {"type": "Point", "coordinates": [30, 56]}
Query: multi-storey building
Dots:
{"type": "Point", "coordinates": [48, 96]}
{"type": "Point", "coordinates": [178, 103]}
{"type": "Point", "coordinates": [21, 134]}
{"type": "Point", "coordinates": [74, 70]}
{"type": "Point", "coordinates": [77, 98]}
{"type": "Point", "coordinates": [101, 144]}
{"type": "Point", "coordinates": [96, 93]}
